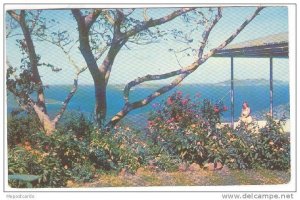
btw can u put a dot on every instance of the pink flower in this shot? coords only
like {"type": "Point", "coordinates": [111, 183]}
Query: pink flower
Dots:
{"type": "Point", "coordinates": [225, 108]}
{"type": "Point", "coordinates": [216, 109]}
{"type": "Point", "coordinates": [169, 101]}
{"type": "Point", "coordinates": [184, 101]}
{"type": "Point", "coordinates": [179, 93]}
{"type": "Point", "coordinates": [170, 120]}
{"type": "Point", "coordinates": [151, 123]}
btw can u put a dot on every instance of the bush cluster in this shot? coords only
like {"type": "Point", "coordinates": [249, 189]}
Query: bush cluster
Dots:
{"type": "Point", "coordinates": [75, 152]}
{"type": "Point", "coordinates": [181, 130]}
{"type": "Point", "coordinates": [190, 129]}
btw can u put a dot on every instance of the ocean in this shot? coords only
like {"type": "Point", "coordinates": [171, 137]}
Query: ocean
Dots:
{"type": "Point", "coordinates": [257, 95]}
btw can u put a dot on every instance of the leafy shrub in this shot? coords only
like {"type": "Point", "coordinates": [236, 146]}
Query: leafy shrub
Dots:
{"type": "Point", "coordinates": [77, 124]}
{"type": "Point", "coordinates": [180, 130]}
{"type": "Point", "coordinates": [166, 162]}
{"type": "Point", "coordinates": [268, 147]}
{"type": "Point", "coordinates": [190, 129]}
{"type": "Point", "coordinates": [183, 127]}
{"type": "Point", "coordinates": [25, 160]}
{"type": "Point", "coordinates": [68, 154]}
{"type": "Point", "coordinates": [83, 172]}
{"type": "Point", "coordinates": [116, 151]}
{"type": "Point", "coordinates": [20, 127]}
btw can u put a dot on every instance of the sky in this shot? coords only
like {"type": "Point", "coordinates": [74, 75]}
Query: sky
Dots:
{"type": "Point", "coordinates": [138, 60]}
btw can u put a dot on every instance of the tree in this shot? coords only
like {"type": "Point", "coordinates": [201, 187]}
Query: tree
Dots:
{"type": "Point", "coordinates": [181, 73]}
{"type": "Point", "coordinates": [102, 33]}
{"type": "Point", "coordinates": [28, 82]}
{"type": "Point", "coordinates": [125, 28]}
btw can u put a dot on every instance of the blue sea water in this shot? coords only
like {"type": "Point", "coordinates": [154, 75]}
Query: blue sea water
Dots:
{"type": "Point", "coordinates": [83, 101]}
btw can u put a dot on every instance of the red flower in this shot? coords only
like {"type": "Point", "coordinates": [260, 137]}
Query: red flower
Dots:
{"type": "Point", "coordinates": [151, 123]}
{"type": "Point", "coordinates": [169, 101]}
{"type": "Point", "coordinates": [216, 109]}
{"type": "Point", "coordinates": [184, 101]}
{"type": "Point", "coordinates": [170, 120]}
{"type": "Point", "coordinates": [179, 93]}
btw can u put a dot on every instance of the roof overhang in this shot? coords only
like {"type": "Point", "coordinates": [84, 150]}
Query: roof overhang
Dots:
{"type": "Point", "coordinates": [265, 47]}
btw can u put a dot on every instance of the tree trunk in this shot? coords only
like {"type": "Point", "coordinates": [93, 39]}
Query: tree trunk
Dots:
{"type": "Point", "coordinates": [47, 124]}
{"type": "Point", "coordinates": [100, 102]}
{"type": "Point", "coordinates": [33, 61]}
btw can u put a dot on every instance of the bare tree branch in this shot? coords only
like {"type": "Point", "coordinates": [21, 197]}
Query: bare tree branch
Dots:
{"type": "Point", "coordinates": [14, 15]}
{"type": "Point", "coordinates": [131, 10]}
{"type": "Point", "coordinates": [207, 32]}
{"type": "Point", "coordinates": [66, 52]}
{"type": "Point", "coordinates": [101, 52]}
{"type": "Point", "coordinates": [109, 18]}
{"type": "Point", "coordinates": [70, 94]}
{"type": "Point", "coordinates": [182, 74]}
{"type": "Point", "coordinates": [67, 100]}
{"type": "Point", "coordinates": [151, 23]}
{"type": "Point", "coordinates": [226, 42]}
{"type": "Point", "coordinates": [92, 17]}
{"type": "Point", "coordinates": [178, 61]}
{"type": "Point", "coordinates": [176, 72]}
{"type": "Point", "coordinates": [35, 20]}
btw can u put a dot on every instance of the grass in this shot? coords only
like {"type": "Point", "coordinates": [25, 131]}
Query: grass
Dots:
{"type": "Point", "coordinates": [188, 178]}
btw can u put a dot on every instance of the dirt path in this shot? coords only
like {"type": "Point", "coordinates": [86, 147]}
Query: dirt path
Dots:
{"type": "Point", "coordinates": [188, 178]}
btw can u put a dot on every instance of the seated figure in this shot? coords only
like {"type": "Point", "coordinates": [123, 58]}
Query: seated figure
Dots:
{"type": "Point", "coordinates": [245, 114]}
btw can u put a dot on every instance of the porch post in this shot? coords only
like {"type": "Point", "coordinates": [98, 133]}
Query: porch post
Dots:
{"type": "Point", "coordinates": [232, 94]}
{"type": "Point", "coordinates": [271, 86]}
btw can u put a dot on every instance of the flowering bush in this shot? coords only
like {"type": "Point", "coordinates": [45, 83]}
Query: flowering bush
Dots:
{"type": "Point", "coordinates": [180, 130]}
{"type": "Point", "coordinates": [266, 147]}
{"type": "Point", "coordinates": [183, 126]}
{"type": "Point", "coordinates": [191, 129]}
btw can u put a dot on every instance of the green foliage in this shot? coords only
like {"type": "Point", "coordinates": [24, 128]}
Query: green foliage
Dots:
{"type": "Point", "coordinates": [191, 129]}
{"type": "Point", "coordinates": [184, 127]}
{"type": "Point", "coordinates": [25, 160]}
{"type": "Point", "coordinates": [20, 128]}
{"type": "Point", "coordinates": [83, 172]}
{"type": "Point", "coordinates": [267, 147]}
{"type": "Point", "coordinates": [76, 124]}
{"type": "Point", "coordinates": [180, 130]}
{"type": "Point", "coordinates": [74, 152]}
{"type": "Point", "coordinates": [166, 162]}
{"type": "Point", "coordinates": [113, 152]}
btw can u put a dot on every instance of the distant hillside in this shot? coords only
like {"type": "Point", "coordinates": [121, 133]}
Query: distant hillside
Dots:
{"type": "Point", "coordinates": [237, 82]}
{"type": "Point", "coordinates": [251, 82]}
{"type": "Point", "coordinates": [278, 112]}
